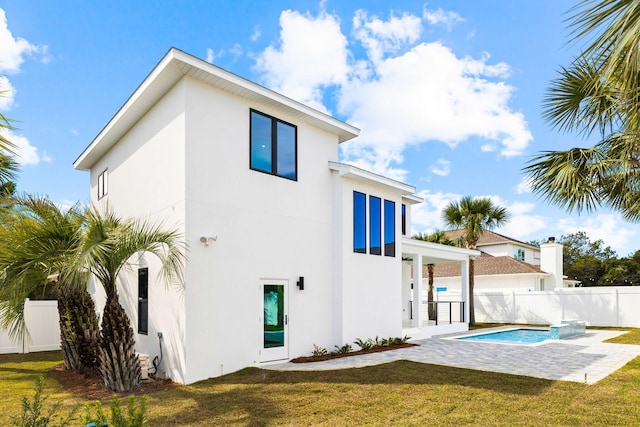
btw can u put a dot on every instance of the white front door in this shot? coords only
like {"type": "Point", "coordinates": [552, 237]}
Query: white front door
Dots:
{"type": "Point", "coordinates": [275, 320]}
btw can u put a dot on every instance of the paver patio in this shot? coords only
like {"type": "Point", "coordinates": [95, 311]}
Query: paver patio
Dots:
{"type": "Point", "coordinates": [584, 358]}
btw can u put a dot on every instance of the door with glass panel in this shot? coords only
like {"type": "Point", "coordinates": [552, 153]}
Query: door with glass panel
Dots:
{"type": "Point", "coordinates": [275, 320]}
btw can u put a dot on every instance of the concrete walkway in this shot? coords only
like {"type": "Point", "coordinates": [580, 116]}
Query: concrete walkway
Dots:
{"type": "Point", "coordinates": [581, 359]}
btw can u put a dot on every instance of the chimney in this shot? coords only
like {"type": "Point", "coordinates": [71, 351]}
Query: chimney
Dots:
{"type": "Point", "coordinates": [551, 262]}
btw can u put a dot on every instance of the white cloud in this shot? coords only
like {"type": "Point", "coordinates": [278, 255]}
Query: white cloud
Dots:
{"type": "Point", "coordinates": [405, 93]}
{"type": "Point", "coordinates": [255, 35]}
{"type": "Point", "coordinates": [7, 94]}
{"type": "Point", "coordinates": [430, 95]}
{"type": "Point", "coordinates": [382, 37]}
{"type": "Point", "coordinates": [25, 153]}
{"type": "Point", "coordinates": [211, 56]}
{"type": "Point", "coordinates": [74, 132]}
{"type": "Point", "coordinates": [312, 53]}
{"type": "Point", "coordinates": [13, 50]}
{"type": "Point", "coordinates": [442, 167]}
{"type": "Point", "coordinates": [446, 18]}
{"type": "Point", "coordinates": [524, 187]}
{"type": "Point", "coordinates": [427, 216]}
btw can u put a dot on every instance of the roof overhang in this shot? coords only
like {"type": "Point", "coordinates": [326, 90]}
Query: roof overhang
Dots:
{"type": "Point", "coordinates": [177, 64]}
{"type": "Point", "coordinates": [357, 174]}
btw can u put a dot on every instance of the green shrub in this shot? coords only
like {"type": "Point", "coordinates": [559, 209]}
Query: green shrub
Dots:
{"type": "Point", "coordinates": [344, 349]}
{"type": "Point", "coordinates": [318, 351]}
{"type": "Point", "coordinates": [135, 415]}
{"type": "Point", "coordinates": [364, 345]}
{"type": "Point", "coordinates": [35, 415]}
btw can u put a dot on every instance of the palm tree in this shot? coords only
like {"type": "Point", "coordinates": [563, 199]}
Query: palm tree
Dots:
{"type": "Point", "coordinates": [440, 237]}
{"type": "Point", "coordinates": [599, 91]}
{"type": "Point", "coordinates": [108, 245]}
{"type": "Point", "coordinates": [36, 238]}
{"type": "Point", "coordinates": [473, 217]}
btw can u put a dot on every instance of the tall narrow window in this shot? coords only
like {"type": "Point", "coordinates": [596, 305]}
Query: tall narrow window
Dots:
{"type": "Point", "coordinates": [404, 219]}
{"type": "Point", "coordinates": [389, 228]}
{"type": "Point", "coordinates": [273, 146]}
{"type": "Point", "coordinates": [102, 184]}
{"type": "Point", "coordinates": [375, 226]}
{"type": "Point", "coordinates": [359, 223]}
{"type": "Point", "coordinates": [143, 301]}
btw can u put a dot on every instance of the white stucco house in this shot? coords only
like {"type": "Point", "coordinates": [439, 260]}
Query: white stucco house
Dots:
{"type": "Point", "coordinates": [509, 264]}
{"type": "Point", "coordinates": [287, 247]}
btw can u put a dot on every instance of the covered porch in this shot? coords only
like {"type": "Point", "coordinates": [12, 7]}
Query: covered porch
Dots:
{"type": "Point", "coordinates": [448, 312]}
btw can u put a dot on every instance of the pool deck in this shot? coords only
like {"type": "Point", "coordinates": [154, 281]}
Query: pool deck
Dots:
{"type": "Point", "coordinates": [584, 358]}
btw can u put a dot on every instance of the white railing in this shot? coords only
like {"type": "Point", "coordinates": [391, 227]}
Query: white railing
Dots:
{"type": "Point", "coordinates": [43, 325]}
{"type": "Point", "coordinates": [598, 306]}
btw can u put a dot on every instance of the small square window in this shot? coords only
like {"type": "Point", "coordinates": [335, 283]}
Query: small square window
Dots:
{"type": "Point", "coordinates": [273, 146]}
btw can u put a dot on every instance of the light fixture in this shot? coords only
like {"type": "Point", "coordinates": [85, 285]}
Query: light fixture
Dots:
{"type": "Point", "coordinates": [300, 283]}
{"type": "Point", "coordinates": [208, 240]}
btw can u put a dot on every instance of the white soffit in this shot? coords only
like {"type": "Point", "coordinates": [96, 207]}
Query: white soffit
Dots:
{"type": "Point", "coordinates": [174, 66]}
{"type": "Point", "coordinates": [357, 174]}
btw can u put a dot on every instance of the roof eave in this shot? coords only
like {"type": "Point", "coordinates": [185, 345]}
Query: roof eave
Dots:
{"type": "Point", "coordinates": [177, 64]}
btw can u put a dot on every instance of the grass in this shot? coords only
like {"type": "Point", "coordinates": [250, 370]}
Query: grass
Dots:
{"type": "Point", "coordinates": [399, 393]}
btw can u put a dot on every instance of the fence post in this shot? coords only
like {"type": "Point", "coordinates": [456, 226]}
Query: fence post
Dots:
{"type": "Point", "coordinates": [617, 307]}
{"type": "Point", "coordinates": [513, 306]}
{"type": "Point", "coordinates": [26, 313]}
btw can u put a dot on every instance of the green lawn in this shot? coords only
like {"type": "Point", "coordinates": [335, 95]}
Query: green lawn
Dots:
{"type": "Point", "coordinates": [400, 393]}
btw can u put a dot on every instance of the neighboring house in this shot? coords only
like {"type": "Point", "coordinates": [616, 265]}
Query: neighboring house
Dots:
{"type": "Point", "coordinates": [507, 263]}
{"type": "Point", "coordinates": [287, 247]}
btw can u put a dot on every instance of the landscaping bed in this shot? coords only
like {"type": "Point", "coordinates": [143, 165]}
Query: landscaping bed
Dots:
{"type": "Point", "coordinates": [329, 356]}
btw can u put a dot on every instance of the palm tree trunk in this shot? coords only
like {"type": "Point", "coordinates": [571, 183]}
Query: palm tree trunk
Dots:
{"type": "Point", "coordinates": [119, 365]}
{"type": "Point", "coordinates": [79, 330]}
{"type": "Point", "coordinates": [431, 308]}
{"type": "Point", "coordinates": [472, 312]}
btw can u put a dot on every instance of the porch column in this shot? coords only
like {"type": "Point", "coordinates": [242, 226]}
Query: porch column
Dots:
{"type": "Point", "coordinates": [464, 274]}
{"type": "Point", "coordinates": [417, 291]}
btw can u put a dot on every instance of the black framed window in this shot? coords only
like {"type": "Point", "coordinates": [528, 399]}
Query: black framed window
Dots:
{"type": "Point", "coordinates": [403, 213]}
{"type": "Point", "coordinates": [389, 228]}
{"type": "Point", "coordinates": [143, 301]}
{"type": "Point", "coordinates": [273, 146]}
{"type": "Point", "coordinates": [375, 225]}
{"type": "Point", "coordinates": [103, 184]}
{"type": "Point", "coordinates": [359, 223]}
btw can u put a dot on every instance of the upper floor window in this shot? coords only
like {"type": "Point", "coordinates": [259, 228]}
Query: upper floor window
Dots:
{"type": "Point", "coordinates": [404, 219]}
{"type": "Point", "coordinates": [102, 184]}
{"type": "Point", "coordinates": [375, 225]}
{"type": "Point", "coordinates": [518, 254]}
{"type": "Point", "coordinates": [273, 146]}
{"type": "Point", "coordinates": [359, 223]}
{"type": "Point", "coordinates": [389, 228]}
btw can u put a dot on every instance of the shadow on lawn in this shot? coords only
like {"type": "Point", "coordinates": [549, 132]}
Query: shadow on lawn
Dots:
{"type": "Point", "coordinates": [246, 396]}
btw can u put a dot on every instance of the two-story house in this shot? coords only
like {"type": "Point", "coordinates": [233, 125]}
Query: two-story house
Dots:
{"type": "Point", "coordinates": [287, 247]}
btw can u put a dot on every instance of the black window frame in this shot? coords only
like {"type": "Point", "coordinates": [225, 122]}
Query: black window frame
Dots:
{"type": "Point", "coordinates": [360, 221]}
{"type": "Point", "coordinates": [143, 301]}
{"type": "Point", "coordinates": [375, 226]}
{"type": "Point", "coordinates": [274, 145]}
{"type": "Point", "coordinates": [389, 245]}
{"type": "Point", "coordinates": [403, 214]}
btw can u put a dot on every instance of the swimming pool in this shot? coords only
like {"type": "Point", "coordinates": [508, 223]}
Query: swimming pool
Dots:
{"type": "Point", "coordinates": [511, 336]}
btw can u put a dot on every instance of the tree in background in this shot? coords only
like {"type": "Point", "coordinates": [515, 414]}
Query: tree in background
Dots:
{"type": "Point", "coordinates": [441, 238]}
{"type": "Point", "coordinates": [473, 217]}
{"type": "Point", "coordinates": [599, 91]}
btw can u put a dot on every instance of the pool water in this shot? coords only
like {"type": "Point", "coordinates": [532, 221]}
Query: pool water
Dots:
{"type": "Point", "coordinates": [513, 336]}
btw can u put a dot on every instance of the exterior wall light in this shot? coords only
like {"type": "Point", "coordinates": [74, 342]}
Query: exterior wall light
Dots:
{"type": "Point", "coordinates": [300, 283]}
{"type": "Point", "coordinates": [208, 240]}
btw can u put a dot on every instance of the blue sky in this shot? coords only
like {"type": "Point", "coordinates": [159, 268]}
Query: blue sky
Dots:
{"type": "Point", "coordinates": [447, 93]}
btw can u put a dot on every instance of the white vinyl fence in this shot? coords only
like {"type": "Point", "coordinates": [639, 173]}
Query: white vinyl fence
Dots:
{"type": "Point", "coordinates": [43, 325]}
{"type": "Point", "coordinates": [598, 306]}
